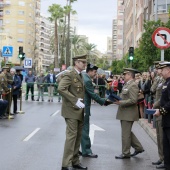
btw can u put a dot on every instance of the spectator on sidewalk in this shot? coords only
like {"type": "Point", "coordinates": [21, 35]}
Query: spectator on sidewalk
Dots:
{"type": "Point", "coordinates": [30, 79]}
{"type": "Point", "coordinates": [51, 81]}
{"type": "Point", "coordinates": [15, 88]}
{"type": "Point", "coordinates": [40, 85]}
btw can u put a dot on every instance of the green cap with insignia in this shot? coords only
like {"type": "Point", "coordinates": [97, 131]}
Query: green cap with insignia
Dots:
{"type": "Point", "coordinates": [91, 66]}
{"type": "Point", "coordinates": [127, 70]}
{"type": "Point", "coordinates": [81, 57]}
{"type": "Point", "coordinates": [5, 67]}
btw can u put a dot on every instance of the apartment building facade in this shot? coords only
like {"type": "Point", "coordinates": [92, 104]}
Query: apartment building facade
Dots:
{"type": "Point", "coordinates": [114, 38]}
{"type": "Point", "coordinates": [120, 18]}
{"type": "Point", "coordinates": [17, 25]}
{"type": "Point", "coordinates": [45, 58]}
{"type": "Point", "coordinates": [135, 13]}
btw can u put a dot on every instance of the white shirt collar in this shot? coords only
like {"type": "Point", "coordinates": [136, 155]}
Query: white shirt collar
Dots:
{"type": "Point", "coordinates": [77, 71]}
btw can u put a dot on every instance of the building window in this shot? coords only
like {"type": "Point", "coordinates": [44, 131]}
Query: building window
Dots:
{"type": "Point", "coordinates": [21, 12]}
{"type": "Point", "coordinates": [21, 3]}
{"type": "Point", "coordinates": [20, 40]}
{"type": "Point", "coordinates": [20, 21]}
{"type": "Point", "coordinates": [7, 12]}
{"type": "Point", "coordinates": [7, 21]}
{"type": "Point", "coordinates": [20, 31]}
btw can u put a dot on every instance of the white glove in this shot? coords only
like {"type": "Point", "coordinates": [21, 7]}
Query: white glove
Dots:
{"type": "Point", "coordinates": [79, 104]}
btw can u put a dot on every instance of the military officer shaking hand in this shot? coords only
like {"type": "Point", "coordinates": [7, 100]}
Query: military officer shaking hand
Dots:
{"type": "Point", "coordinates": [71, 88]}
{"type": "Point", "coordinates": [91, 72]}
{"type": "Point", "coordinates": [128, 113]}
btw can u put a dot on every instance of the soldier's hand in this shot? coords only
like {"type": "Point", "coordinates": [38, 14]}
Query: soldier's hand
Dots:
{"type": "Point", "coordinates": [80, 104]}
{"type": "Point", "coordinates": [157, 113]}
{"type": "Point", "coordinates": [107, 102]}
{"type": "Point", "coordinates": [116, 102]}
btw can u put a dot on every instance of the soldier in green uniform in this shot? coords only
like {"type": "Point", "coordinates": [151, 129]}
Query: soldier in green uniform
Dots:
{"type": "Point", "coordinates": [71, 88]}
{"type": "Point", "coordinates": [8, 97]}
{"type": "Point", "coordinates": [128, 113]}
{"type": "Point", "coordinates": [157, 89]}
{"type": "Point", "coordinates": [89, 95]}
{"type": "Point", "coordinates": [4, 84]}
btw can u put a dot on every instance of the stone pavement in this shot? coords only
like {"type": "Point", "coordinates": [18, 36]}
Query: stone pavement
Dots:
{"type": "Point", "coordinates": [148, 127]}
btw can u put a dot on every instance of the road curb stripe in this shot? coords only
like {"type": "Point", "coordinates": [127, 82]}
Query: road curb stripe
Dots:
{"type": "Point", "coordinates": [31, 134]}
{"type": "Point", "coordinates": [54, 114]}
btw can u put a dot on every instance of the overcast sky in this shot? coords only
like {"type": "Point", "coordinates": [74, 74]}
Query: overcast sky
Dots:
{"type": "Point", "coordinates": [94, 18]}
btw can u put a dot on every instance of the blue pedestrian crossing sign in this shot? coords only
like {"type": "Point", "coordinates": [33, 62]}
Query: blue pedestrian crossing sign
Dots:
{"type": "Point", "coordinates": [7, 51]}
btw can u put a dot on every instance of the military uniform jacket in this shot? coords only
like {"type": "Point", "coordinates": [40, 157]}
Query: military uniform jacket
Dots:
{"type": "Point", "coordinates": [3, 82]}
{"type": "Point", "coordinates": [165, 104]}
{"type": "Point", "coordinates": [158, 94]}
{"type": "Point", "coordinates": [71, 87]}
{"type": "Point", "coordinates": [128, 109]}
{"type": "Point", "coordinates": [90, 94]}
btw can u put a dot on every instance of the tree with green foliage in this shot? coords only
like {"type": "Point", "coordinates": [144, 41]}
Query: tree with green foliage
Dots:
{"type": "Point", "coordinates": [56, 12]}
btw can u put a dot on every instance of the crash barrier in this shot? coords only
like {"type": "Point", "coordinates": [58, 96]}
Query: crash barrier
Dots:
{"type": "Point", "coordinates": [21, 112]}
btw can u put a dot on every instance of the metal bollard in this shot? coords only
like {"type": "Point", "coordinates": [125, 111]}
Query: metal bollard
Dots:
{"type": "Point", "coordinates": [10, 102]}
{"type": "Point", "coordinates": [154, 122]}
{"type": "Point", "coordinates": [21, 112]}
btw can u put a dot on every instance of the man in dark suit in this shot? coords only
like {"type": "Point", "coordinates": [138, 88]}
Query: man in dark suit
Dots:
{"type": "Point", "coordinates": [15, 89]}
{"type": "Point", "coordinates": [164, 110]}
{"type": "Point", "coordinates": [91, 72]}
{"type": "Point", "coordinates": [128, 113]}
{"type": "Point", "coordinates": [71, 88]}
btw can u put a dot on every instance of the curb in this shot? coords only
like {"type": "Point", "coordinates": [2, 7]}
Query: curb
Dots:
{"type": "Point", "coordinates": [148, 127]}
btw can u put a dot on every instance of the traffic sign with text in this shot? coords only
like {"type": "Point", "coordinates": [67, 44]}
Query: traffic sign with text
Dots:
{"type": "Point", "coordinates": [28, 63]}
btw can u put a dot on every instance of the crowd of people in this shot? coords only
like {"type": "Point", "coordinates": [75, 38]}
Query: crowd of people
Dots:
{"type": "Point", "coordinates": [10, 89]}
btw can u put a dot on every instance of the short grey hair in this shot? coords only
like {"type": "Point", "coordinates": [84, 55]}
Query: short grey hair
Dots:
{"type": "Point", "coordinates": [13, 70]}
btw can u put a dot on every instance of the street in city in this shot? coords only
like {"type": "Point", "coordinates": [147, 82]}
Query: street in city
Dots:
{"type": "Point", "coordinates": [35, 140]}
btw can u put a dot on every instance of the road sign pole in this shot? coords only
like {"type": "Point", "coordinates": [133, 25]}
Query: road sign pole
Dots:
{"type": "Point", "coordinates": [162, 55]}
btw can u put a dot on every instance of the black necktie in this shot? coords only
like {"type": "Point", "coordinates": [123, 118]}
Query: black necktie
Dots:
{"type": "Point", "coordinates": [80, 75]}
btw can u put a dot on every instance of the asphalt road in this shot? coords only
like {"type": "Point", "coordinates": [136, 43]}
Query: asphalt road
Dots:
{"type": "Point", "coordinates": [35, 140]}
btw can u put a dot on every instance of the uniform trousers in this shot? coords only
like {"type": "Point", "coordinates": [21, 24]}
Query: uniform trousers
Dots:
{"type": "Point", "coordinates": [159, 133]}
{"type": "Point", "coordinates": [85, 139]}
{"type": "Point", "coordinates": [166, 147]}
{"type": "Point", "coordinates": [72, 142]}
{"type": "Point", "coordinates": [128, 138]}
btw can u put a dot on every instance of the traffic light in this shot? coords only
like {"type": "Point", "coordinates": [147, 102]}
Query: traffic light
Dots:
{"type": "Point", "coordinates": [21, 54]}
{"type": "Point", "coordinates": [131, 53]}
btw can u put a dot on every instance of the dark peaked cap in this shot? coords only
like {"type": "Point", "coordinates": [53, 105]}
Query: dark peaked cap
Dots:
{"type": "Point", "coordinates": [127, 70]}
{"type": "Point", "coordinates": [91, 66]}
{"type": "Point", "coordinates": [80, 57]}
{"type": "Point", "coordinates": [164, 64]}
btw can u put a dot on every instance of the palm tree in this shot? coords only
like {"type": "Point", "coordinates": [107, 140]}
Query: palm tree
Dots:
{"type": "Point", "coordinates": [56, 14]}
{"type": "Point", "coordinates": [91, 52]}
{"type": "Point", "coordinates": [77, 42]}
{"type": "Point", "coordinates": [68, 45]}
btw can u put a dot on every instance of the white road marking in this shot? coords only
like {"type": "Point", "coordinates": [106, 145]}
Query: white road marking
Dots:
{"type": "Point", "coordinates": [55, 113]}
{"type": "Point", "coordinates": [93, 128]}
{"type": "Point", "coordinates": [31, 135]}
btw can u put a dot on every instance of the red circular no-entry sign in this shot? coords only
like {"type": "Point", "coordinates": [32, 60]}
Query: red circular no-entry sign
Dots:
{"type": "Point", "coordinates": [161, 37]}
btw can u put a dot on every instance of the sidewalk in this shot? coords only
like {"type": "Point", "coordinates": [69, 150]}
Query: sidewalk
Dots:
{"type": "Point", "coordinates": [148, 127]}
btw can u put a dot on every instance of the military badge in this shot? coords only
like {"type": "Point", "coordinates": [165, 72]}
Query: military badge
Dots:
{"type": "Point", "coordinates": [75, 80]}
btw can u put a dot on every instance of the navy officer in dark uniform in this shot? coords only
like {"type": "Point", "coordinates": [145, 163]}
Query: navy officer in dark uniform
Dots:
{"type": "Point", "coordinates": [164, 110]}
